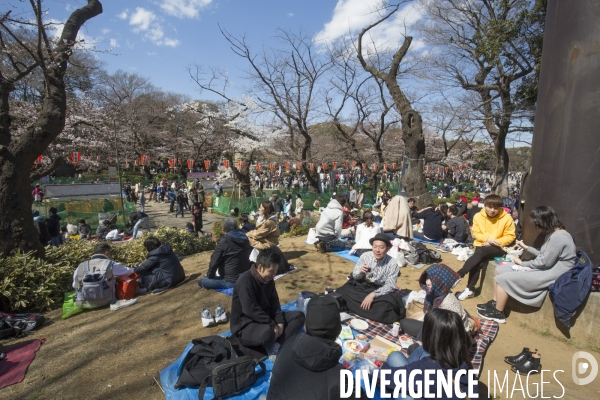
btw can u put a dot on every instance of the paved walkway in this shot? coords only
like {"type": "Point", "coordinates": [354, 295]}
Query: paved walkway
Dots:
{"type": "Point", "coordinates": [159, 215]}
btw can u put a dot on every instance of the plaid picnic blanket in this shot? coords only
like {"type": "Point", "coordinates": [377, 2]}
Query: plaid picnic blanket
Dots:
{"type": "Point", "coordinates": [487, 333]}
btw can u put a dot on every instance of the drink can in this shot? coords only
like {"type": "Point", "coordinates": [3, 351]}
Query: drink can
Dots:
{"type": "Point", "coordinates": [395, 329]}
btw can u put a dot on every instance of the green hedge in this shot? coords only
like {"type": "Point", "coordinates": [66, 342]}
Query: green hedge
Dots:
{"type": "Point", "coordinates": [39, 285]}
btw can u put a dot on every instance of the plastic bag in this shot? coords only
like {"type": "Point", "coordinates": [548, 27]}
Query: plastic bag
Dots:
{"type": "Point", "coordinates": [254, 255]}
{"type": "Point", "coordinates": [69, 308]}
{"type": "Point", "coordinates": [312, 236]}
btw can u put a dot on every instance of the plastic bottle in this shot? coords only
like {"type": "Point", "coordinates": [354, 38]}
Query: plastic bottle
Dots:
{"type": "Point", "coordinates": [299, 302]}
{"type": "Point", "coordinates": [220, 315]}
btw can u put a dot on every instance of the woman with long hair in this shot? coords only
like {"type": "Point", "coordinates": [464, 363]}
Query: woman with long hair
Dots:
{"type": "Point", "coordinates": [528, 281]}
{"type": "Point", "coordinates": [445, 349]}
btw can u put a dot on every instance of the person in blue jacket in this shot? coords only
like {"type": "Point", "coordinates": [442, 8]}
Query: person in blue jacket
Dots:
{"type": "Point", "coordinates": [445, 348]}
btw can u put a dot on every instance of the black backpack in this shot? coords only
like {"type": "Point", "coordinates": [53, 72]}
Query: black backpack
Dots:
{"type": "Point", "coordinates": [213, 361]}
{"type": "Point", "coordinates": [16, 325]}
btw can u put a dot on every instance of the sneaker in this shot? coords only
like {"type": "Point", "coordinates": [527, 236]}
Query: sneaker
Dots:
{"type": "Point", "coordinates": [493, 315]}
{"type": "Point", "coordinates": [120, 304]}
{"type": "Point", "coordinates": [207, 318]}
{"type": "Point", "coordinates": [316, 244]}
{"type": "Point", "coordinates": [466, 294]}
{"type": "Point", "coordinates": [220, 315]}
{"type": "Point", "coordinates": [486, 306]}
{"type": "Point", "coordinates": [141, 290]}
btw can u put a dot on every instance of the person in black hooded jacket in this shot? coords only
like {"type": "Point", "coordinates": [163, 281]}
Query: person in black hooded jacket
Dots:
{"type": "Point", "coordinates": [230, 258]}
{"type": "Point", "coordinates": [307, 365]}
{"type": "Point", "coordinates": [162, 269]}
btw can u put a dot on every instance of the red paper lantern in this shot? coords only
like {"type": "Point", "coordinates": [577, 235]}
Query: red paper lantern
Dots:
{"type": "Point", "coordinates": [324, 165]}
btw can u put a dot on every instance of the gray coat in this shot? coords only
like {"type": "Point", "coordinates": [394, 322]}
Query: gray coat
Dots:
{"type": "Point", "coordinates": [557, 256]}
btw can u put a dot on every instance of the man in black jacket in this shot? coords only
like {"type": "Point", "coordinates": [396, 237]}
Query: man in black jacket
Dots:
{"type": "Point", "coordinates": [256, 316]}
{"type": "Point", "coordinates": [460, 205]}
{"type": "Point", "coordinates": [230, 258]}
{"type": "Point", "coordinates": [456, 227]}
{"type": "Point", "coordinates": [53, 223]}
{"type": "Point", "coordinates": [308, 365]}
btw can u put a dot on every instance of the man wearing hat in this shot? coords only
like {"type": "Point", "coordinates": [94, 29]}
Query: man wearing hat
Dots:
{"type": "Point", "coordinates": [370, 290]}
{"type": "Point", "coordinates": [308, 365]}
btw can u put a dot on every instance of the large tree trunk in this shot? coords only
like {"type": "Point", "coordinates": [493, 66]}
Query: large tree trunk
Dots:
{"type": "Point", "coordinates": [17, 231]}
{"type": "Point", "coordinates": [414, 146]}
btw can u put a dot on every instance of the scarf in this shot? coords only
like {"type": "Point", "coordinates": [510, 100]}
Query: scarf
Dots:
{"type": "Point", "coordinates": [442, 279]}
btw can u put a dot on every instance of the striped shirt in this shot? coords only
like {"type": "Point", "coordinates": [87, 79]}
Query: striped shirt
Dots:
{"type": "Point", "coordinates": [383, 272]}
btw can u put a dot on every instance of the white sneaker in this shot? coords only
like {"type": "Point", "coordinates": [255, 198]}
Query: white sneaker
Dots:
{"type": "Point", "coordinates": [466, 294]}
{"type": "Point", "coordinates": [120, 304]}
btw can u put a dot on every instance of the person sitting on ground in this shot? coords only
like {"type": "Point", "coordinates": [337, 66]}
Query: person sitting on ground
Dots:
{"type": "Point", "coordinates": [53, 223]}
{"type": "Point", "coordinates": [266, 234]}
{"type": "Point", "coordinates": [396, 221]}
{"type": "Point", "coordinates": [85, 231]}
{"type": "Point", "coordinates": [136, 220]}
{"type": "Point", "coordinates": [445, 348]}
{"type": "Point", "coordinates": [284, 224]}
{"type": "Point", "coordinates": [230, 258]}
{"type": "Point", "coordinates": [412, 206]}
{"type": "Point", "coordinates": [256, 316]}
{"type": "Point", "coordinates": [235, 212]}
{"type": "Point", "coordinates": [456, 227]}
{"type": "Point", "coordinates": [370, 290]}
{"type": "Point", "coordinates": [317, 204]}
{"type": "Point", "coordinates": [364, 233]}
{"type": "Point", "coordinates": [115, 235]}
{"type": "Point", "coordinates": [493, 229]}
{"type": "Point", "coordinates": [460, 204]}
{"type": "Point", "coordinates": [311, 357]}
{"type": "Point", "coordinates": [329, 227]}
{"type": "Point", "coordinates": [66, 236]}
{"type": "Point", "coordinates": [162, 269]}
{"type": "Point", "coordinates": [41, 228]}
{"type": "Point", "coordinates": [101, 255]}
{"type": "Point", "coordinates": [471, 212]}
{"type": "Point", "coordinates": [103, 229]}
{"type": "Point", "coordinates": [245, 224]}
{"type": "Point", "coordinates": [529, 286]}
{"type": "Point", "coordinates": [189, 228]}
{"type": "Point", "coordinates": [433, 218]}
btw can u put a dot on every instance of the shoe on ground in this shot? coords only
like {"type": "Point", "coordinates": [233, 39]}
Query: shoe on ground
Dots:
{"type": "Point", "coordinates": [531, 365]}
{"type": "Point", "coordinates": [522, 356]}
{"type": "Point", "coordinates": [220, 319]}
{"type": "Point", "coordinates": [486, 306]}
{"type": "Point", "coordinates": [206, 322]}
{"type": "Point", "coordinates": [466, 294]}
{"type": "Point", "coordinates": [120, 304]}
{"type": "Point", "coordinates": [493, 315]}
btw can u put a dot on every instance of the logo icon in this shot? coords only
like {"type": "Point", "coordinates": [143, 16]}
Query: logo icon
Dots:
{"type": "Point", "coordinates": [583, 366]}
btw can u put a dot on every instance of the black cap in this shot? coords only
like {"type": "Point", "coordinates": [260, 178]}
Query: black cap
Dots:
{"type": "Point", "coordinates": [381, 237]}
{"type": "Point", "coordinates": [323, 317]}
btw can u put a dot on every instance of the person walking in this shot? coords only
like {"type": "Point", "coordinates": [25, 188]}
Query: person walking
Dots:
{"type": "Point", "coordinates": [181, 200]}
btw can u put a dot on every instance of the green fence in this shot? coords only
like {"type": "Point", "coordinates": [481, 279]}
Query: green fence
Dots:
{"type": "Point", "coordinates": [71, 211]}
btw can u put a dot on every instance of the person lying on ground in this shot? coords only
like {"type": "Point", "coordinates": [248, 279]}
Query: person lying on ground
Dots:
{"type": "Point", "coordinates": [493, 229]}
{"type": "Point", "coordinates": [456, 228]}
{"type": "Point", "coordinates": [162, 269]}
{"type": "Point", "coordinates": [445, 348]}
{"type": "Point", "coordinates": [396, 221]}
{"type": "Point", "coordinates": [329, 227]}
{"type": "Point", "coordinates": [311, 357]}
{"type": "Point", "coordinates": [85, 231]}
{"type": "Point", "coordinates": [370, 290]}
{"type": "Point", "coordinates": [230, 258]}
{"type": "Point", "coordinates": [529, 286]}
{"type": "Point", "coordinates": [433, 218]}
{"type": "Point", "coordinates": [364, 233]}
{"type": "Point", "coordinates": [256, 316]}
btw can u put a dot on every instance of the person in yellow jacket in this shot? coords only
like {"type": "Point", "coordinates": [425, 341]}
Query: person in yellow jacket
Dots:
{"type": "Point", "coordinates": [493, 229]}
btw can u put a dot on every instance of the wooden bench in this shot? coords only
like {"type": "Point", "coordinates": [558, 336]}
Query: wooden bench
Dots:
{"type": "Point", "coordinates": [585, 324]}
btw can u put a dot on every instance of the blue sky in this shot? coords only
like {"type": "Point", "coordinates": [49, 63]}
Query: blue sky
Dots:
{"type": "Point", "coordinates": [159, 39]}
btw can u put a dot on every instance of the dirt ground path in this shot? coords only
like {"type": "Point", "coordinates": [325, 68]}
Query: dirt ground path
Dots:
{"type": "Point", "coordinates": [117, 355]}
